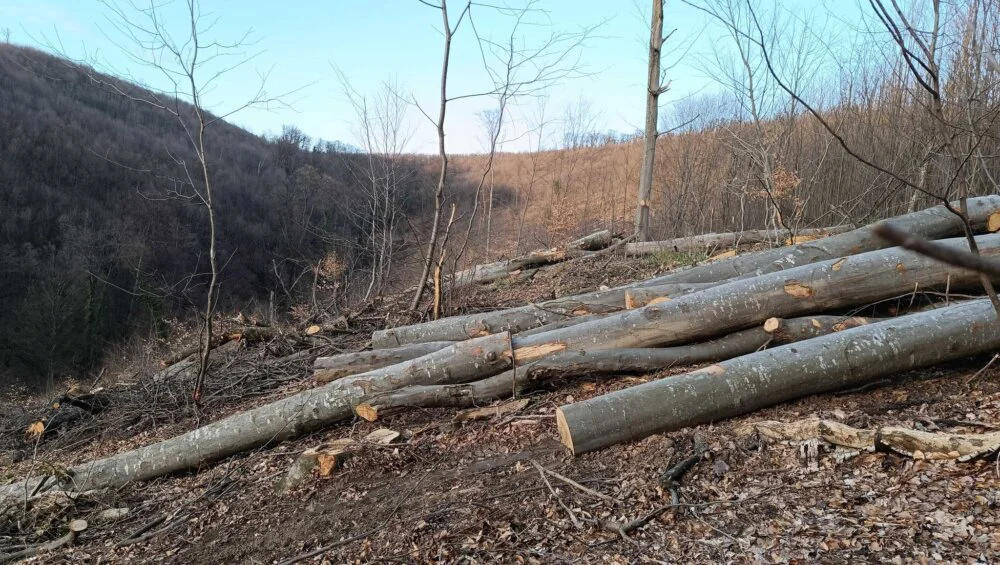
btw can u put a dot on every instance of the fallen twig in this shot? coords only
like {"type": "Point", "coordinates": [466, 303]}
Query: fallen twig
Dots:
{"type": "Point", "coordinates": [670, 479]}
{"type": "Point", "coordinates": [572, 516]}
{"type": "Point", "coordinates": [580, 487]}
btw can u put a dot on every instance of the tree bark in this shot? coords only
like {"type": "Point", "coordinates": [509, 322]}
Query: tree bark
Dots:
{"type": "Point", "coordinates": [514, 320]}
{"type": "Point", "coordinates": [850, 281]}
{"type": "Point", "coordinates": [731, 239]}
{"type": "Point", "coordinates": [286, 418]}
{"type": "Point", "coordinates": [326, 369]}
{"type": "Point", "coordinates": [653, 91]}
{"type": "Point", "coordinates": [502, 269]}
{"type": "Point", "coordinates": [730, 388]}
{"type": "Point", "coordinates": [603, 362]}
{"type": "Point", "coordinates": [593, 242]}
{"type": "Point", "coordinates": [932, 223]}
{"type": "Point", "coordinates": [639, 297]}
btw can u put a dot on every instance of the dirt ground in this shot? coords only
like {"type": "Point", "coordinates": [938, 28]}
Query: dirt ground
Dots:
{"type": "Point", "coordinates": [497, 490]}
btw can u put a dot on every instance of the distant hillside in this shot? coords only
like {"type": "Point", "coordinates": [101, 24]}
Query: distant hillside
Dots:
{"type": "Point", "coordinates": [93, 249]}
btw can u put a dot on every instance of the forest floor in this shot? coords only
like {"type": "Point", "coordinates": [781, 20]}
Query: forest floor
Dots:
{"type": "Point", "coordinates": [476, 492]}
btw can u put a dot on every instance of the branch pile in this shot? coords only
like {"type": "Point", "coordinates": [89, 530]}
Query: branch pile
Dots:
{"type": "Point", "coordinates": [776, 324]}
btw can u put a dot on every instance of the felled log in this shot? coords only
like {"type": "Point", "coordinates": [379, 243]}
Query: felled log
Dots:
{"type": "Point", "coordinates": [593, 242]}
{"type": "Point", "coordinates": [68, 409]}
{"type": "Point", "coordinates": [512, 320]}
{"type": "Point", "coordinates": [797, 329]}
{"type": "Point", "coordinates": [190, 363]}
{"type": "Point", "coordinates": [178, 356]}
{"type": "Point", "coordinates": [275, 422]}
{"type": "Point", "coordinates": [326, 369]}
{"type": "Point", "coordinates": [246, 333]}
{"type": "Point", "coordinates": [524, 266]}
{"type": "Point", "coordinates": [638, 297]}
{"type": "Point", "coordinates": [501, 269]}
{"type": "Point", "coordinates": [850, 281]}
{"type": "Point", "coordinates": [932, 223]}
{"type": "Point", "coordinates": [730, 239]}
{"type": "Point", "coordinates": [744, 384]}
{"type": "Point", "coordinates": [602, 362]}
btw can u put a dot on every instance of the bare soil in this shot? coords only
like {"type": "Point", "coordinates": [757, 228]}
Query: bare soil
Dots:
{"type": "Point", "coordinates": [473, 492]}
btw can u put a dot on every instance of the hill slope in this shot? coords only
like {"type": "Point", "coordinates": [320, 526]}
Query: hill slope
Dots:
{"type": "Point", "coordinates": [92, 247]}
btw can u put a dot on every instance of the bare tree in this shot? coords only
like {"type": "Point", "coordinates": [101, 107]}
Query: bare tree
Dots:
{"type": "Point", "coordinates": [383, 133]}
{"type": "Point", "coordinates": [951, 143]}
{"type": "Point", "coordinates": [654, 88]}
{"type": "Point", "coordinates": [537, 126]}
{"type": "Point", "coordinates": [449, 32]}
{"type": "Point", "coordinates": [189, 65]}
{"type": "Point", "coordinates": [516, 70]}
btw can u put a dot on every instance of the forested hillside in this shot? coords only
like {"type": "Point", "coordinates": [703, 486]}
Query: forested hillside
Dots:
{"type": "Point", "coordinates": [94, 246]}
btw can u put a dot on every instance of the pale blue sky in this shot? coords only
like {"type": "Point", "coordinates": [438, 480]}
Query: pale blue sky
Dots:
{"type": "Point", "coordinates": [376, 40]}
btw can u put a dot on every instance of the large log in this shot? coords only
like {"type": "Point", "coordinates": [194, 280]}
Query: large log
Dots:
{"type": "Point", "coordinates": [730, 239]}
{"type": "Point", "coordinates": [514, 320]}
{"type": "Point", "coordinates": [326, 369]}
{"type": "Point", "coordinates": [593, 242]}
{"type": "Point", "coordinates": [744, 384]}
{"type": "Point", "coordinates": [603, 362]}
{"type": "Point", "coordinates": [289, 417]}
{"type": "Point", "coordinates": [817, 287]}
{"type": "Point", "coordinates": [932, 223]}
{"type": "Point", "coordinates": [560, 312]}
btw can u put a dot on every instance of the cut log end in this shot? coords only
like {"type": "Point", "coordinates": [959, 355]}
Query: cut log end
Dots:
{"type": "Point", "coordinates": [565, 436]}
{"type": "Point", "coordinates": [771, 325]}
{"type": "Point", "coordinates": [366, 411]}
{"type": "Point", "coordinates": [993, 222]}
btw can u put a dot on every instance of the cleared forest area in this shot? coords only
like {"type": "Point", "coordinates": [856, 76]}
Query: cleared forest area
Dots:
{"type": "Point", "coordinates": [763, 329]}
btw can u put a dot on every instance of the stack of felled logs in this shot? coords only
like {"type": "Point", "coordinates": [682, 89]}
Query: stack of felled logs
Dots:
{"type": "Point", "coordinates": [775, 324]}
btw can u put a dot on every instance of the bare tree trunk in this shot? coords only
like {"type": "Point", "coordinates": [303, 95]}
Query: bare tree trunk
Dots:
{"type": "Point", "coordinates": [653, 91]}
{"type": "Point", "coordinates": [443, 155]}
{"type": "Point", "coordinates": [730, 388]}
{"type": "Point", "coordinates": [210, 295]}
